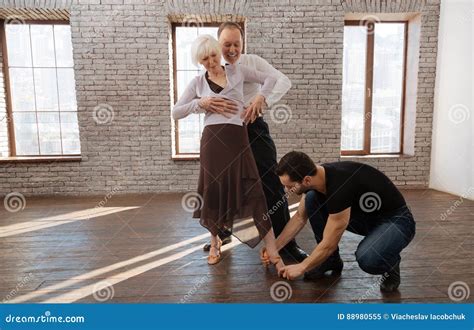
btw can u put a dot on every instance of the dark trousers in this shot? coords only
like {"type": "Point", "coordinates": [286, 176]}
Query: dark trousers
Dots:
{"type": "Point", "coordinates": [385, 236]}
{"type": "Point", "coordinates": [264, 152]}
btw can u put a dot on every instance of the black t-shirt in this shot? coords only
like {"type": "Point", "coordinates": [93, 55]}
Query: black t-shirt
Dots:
{"type": "Point", "coordinates": [365, 189]}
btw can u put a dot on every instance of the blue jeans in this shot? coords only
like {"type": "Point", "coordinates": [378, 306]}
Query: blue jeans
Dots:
{"type": "Point", "coordinates": [385, 236]}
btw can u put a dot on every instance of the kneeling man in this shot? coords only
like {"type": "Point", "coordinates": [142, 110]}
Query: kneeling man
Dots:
{"type": "Point", "coordinates": [346, 195]}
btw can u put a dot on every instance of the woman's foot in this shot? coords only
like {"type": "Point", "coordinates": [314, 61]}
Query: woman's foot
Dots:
{"type": "Point", "coordinates": [215, 253]}
{"type": "Point", "coordinates": [225, 240]}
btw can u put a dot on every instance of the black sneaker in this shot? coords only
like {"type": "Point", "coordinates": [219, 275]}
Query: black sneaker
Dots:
{"type": "Point", "coordinates": [391, 280]}
{"type": "Point", "coordinates": [334, 264]}
{"type": "Point", "coordinates": [225, 240]}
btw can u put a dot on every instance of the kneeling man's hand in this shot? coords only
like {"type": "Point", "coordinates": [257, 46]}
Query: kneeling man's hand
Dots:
{"type": "Point", "coordinates": [266, 260]}
{"type": "Point", "coordinates": [264, 257]}
{"type": "Point", "coordinates": [291, 272]}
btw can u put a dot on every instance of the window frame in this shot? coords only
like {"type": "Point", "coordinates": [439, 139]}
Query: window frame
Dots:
{"type": "Point", "coordinates": [8, 99]}
{"type": "Point", "coordinates": [369, 89]}
{"type": "Point", "coordinates": [176, 154]}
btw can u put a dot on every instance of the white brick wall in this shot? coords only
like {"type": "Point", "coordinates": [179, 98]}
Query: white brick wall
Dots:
{"type": "Point", "coordinates": [121, 53]}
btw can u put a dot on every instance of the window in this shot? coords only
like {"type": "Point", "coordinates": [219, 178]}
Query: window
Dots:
{"type": "Point", "coordinates": [188, 130]}
{"type": "Point", "coordinates": [41, 90]}
{"type": "Point", "coordinates": [373, 89]}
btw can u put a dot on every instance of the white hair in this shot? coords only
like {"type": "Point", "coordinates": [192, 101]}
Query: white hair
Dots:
{"type": "Point", "coordinates": [203, 46]}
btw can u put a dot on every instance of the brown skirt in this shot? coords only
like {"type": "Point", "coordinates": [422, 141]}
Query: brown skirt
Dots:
{"type": "Point", "coordinates": [230, 186]}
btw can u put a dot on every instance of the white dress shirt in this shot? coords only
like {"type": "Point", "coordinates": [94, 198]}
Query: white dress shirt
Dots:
{"type": "Point", "coordinates": [281, 87]}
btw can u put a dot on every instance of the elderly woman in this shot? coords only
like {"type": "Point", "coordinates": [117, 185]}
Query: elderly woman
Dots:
{"type": "Point", "coordinates": [229, 182]}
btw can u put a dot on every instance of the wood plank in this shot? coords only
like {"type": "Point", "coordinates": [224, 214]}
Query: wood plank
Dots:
{"type": "Point", "coordinates": [131, 249]}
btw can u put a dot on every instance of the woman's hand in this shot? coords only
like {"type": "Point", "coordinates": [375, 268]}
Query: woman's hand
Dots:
{"type": "Point", "coordinates": [255, 109]}
{"type": "Point", "coordinates": [225, 107]}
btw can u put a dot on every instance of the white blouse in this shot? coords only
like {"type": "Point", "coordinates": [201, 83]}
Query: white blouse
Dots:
{"type": "Point", "coordinates": [236, 74]}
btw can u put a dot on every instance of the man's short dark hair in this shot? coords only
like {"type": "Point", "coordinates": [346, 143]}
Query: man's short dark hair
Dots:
{"type": "Point", "coordinates": [297, 165]}
{"type": "Point", "coordinates": [229, 25]}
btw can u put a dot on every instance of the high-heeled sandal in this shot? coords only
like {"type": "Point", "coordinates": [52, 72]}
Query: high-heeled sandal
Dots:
{"type": "Point", "coordinates": [211, 259]}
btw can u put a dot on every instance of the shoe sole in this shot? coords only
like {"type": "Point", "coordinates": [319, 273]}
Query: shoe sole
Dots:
{"type": "Point", "coordinates": [214, 263]}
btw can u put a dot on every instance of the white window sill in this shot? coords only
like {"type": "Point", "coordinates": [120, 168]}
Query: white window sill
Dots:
{"type": "Point", "coordinates": [185, 157]}
{"type": "Point", "coordinates": [40, 159]}
{"type": "Point", "coordinates": [375, 156]}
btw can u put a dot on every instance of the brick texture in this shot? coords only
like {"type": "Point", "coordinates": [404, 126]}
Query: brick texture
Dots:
{"type": "Point", "coordinates": [122, 59]}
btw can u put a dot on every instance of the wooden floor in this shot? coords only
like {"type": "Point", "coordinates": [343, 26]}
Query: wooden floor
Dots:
{"type": "Point", "coordinates": [146, 248]}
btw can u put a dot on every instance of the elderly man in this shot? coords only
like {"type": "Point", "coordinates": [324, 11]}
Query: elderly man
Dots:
{"type": "Point", "coordinates": [231, 40]}
{"type": "Point", "coordinates": [340, 196]}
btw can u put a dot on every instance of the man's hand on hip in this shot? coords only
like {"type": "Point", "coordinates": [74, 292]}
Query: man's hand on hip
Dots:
{"type": "Point", "coordinates": [254, 110]}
